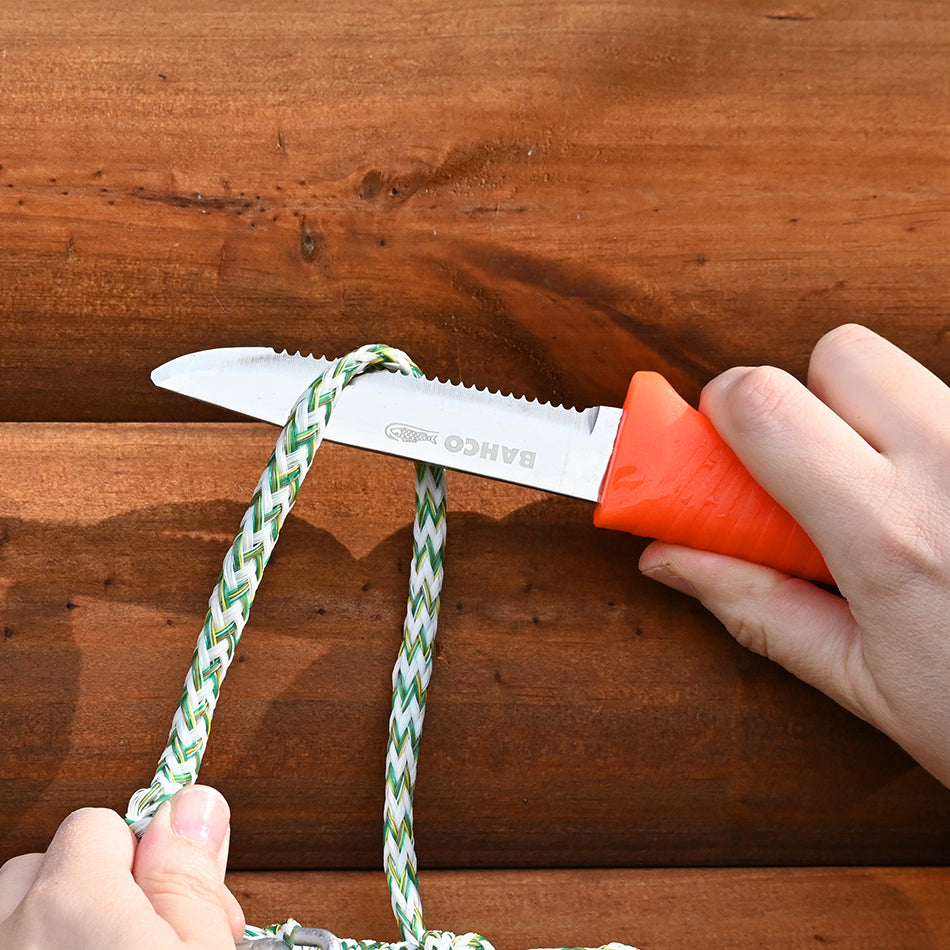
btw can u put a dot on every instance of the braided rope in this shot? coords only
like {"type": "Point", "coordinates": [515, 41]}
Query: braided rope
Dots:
{"type": "Point", "coordinates": [228, 610]}
{"type": "Point", "coordinates": [411, 676]}
{"type": "Point", "coordinates": [230, 602]}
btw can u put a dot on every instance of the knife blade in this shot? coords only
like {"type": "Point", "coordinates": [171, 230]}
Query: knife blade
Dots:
{"type": "Point", "coordinates": [655, 468]}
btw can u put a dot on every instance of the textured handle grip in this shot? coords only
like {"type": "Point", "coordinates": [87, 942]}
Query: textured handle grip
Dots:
{"type": "Point", "coordinates": [672, 477]}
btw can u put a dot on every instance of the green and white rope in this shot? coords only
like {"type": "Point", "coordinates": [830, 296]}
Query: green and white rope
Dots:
{"type": "Point", "coordinates": [228, 611]}
{"type": "Point", "coordinates": [410, 684]}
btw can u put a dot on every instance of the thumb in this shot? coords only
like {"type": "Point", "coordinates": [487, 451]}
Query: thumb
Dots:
{"type": "Point", "coordinates": [179, 866]}
{"type": "Point", "coordinates": [800, 626]}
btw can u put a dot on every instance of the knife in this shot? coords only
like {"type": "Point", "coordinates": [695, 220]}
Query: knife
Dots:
{"type": "Point", "coordinates": [655, 468]}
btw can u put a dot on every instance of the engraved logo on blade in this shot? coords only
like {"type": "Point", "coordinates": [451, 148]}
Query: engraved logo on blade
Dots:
{"type": "Point", "coordinates": [399, 432]}
{"type": "Point", "coordinates": [457, 445]}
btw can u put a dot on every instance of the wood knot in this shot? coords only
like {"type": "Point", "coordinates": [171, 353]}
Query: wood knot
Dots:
{"type": "Point", "coordinates": [310, 243]}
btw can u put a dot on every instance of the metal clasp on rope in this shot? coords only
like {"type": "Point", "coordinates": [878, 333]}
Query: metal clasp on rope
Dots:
{"type": "Point", "coordinates": [301, 937]}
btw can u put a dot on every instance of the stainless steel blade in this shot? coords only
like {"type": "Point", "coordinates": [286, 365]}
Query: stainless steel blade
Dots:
{"type": "Point", "coordinates": [473, 430]}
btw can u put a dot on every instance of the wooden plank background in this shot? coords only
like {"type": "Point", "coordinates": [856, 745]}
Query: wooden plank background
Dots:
{"type": "Point", "coordinates": [536, 196]}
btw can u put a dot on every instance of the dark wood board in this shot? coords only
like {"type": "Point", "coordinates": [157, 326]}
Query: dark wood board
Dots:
{"type": "Point", "coordinates": [536, 197]}
{"type": "Point", "coordinates": [579, 714]}
{"type": "Point", "coordinates": [656, 909]}
{"type": "Point", "coordinates": [542, 197]}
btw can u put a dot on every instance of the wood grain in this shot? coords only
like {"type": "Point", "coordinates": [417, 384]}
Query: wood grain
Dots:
{"type": "Point", "coordinates": [579, 715]}
{"type": "Point", "coordinates": [742, 909]}
{"type": "Point", "coordinates": [538, 196]}
{"type": "Point", "coordinates": [535, 196]}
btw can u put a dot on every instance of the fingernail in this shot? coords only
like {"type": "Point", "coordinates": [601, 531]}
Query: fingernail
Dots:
{"type": "Point", "coordinates": [666, 575]}
{"type": "Point", "coordinates": [201, 815]}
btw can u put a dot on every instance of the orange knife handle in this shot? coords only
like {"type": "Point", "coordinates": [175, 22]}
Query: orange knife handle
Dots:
{"type": "Point", "coordinates": [672, 477]}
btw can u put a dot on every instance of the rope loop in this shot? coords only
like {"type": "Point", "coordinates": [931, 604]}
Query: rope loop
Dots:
{"type": "Point", "coordinates": [228, 610]}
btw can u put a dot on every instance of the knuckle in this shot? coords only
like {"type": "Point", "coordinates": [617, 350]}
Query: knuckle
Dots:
{"type": "Point", "coordinates": [751, 635]}
{"type": "Point", "coordinates": [17, 877]}
{"type": "Point", "coordinates": [192, 877]}
{"type": "Point", "coordinates": [81, 834]}
{"type": "Point", "coordinates": [835, 345]}
{"type": "Point", "coordinates": [19, 865]}
{"type": "Point", "coordinates": [86, 821]}
{"type": "Point", "coordinates": [907, 546]}
{"type": "Point", "coordinates": [753, 399]}
{"type": "Point", "coordinates": [843, 337]}
{"type": "Point", "coordinates": [904, 533]}
{"type": "Point", "coordinates": [190, 888]}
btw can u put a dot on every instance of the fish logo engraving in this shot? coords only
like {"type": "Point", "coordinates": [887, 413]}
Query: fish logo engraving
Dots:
{"type": "Point", "coordinates": [400, 432]}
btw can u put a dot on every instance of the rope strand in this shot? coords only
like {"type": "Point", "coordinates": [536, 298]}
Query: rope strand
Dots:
{"type": "Point", "coordinates": [228, 610]}
{"type": "Point", "coordinates": [231, 599]}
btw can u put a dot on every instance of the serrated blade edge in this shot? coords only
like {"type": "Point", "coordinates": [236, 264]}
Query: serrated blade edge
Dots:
{"type": "Point", "coordinates": [511, 438]}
